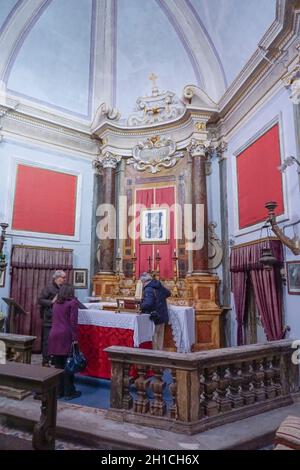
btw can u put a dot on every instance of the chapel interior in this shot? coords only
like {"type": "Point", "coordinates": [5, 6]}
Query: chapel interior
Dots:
{"type": "Point", "coordinates": [158, 136]}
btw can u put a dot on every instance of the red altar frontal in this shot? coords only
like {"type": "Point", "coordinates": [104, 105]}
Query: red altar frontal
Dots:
{"type": "Point", "coordinates": [99, 329]}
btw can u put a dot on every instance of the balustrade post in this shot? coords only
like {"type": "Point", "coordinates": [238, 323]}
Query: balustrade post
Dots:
{"type": "Point", "coordinates": [211, 406]}
{"type": "Point", "coordinates": [247, 374]}
{"type": "Point", "coordinates": [141, 404]}
{"type": "Point", "coordinates": [158, 405]}
{"type": "Point", "coordinates": [127, 381]}
{"type": "Point", "coordinates": [234, 387]}
{"type": "Point", "coordinates": [187, 395]}
{"type": "Point", "coordinates": [173, 390]}
{"type": "Point", "coordinates": [268, 379]}
{"type": "Point", "coordinates": [223, 384]}
{"type": "Point", "coordinates": [258, 376]}
{"type": "Point", "coordinates": [277, 375]}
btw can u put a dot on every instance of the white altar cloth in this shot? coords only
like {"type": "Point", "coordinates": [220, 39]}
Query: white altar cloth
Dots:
{"type": "Point", "coordinates": [181, 319]}
{"type": "Point", "coordinates": [141, 325]}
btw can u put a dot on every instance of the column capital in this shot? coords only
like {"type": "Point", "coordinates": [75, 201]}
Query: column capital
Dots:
{"type": "Point", "coordinates": [199, 148]}
{"type": "Point", "coordinates": [220, 149]}
{"type": "Point", "coordinates": [106, 160]}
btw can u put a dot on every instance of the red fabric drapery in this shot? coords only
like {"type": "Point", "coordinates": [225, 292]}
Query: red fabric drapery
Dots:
{"type": "Point", "coordinates": [32, 269]}
{"type": "Point", "coordinates": [245, 265]}
{"type": "Point", "coordinates": [158, 198]}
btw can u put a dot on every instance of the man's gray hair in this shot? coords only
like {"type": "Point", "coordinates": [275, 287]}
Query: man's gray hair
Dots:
{"type": "Point", "coordinates": [146, 277]}
{"type": "Point", "coordinates": [58, 273]}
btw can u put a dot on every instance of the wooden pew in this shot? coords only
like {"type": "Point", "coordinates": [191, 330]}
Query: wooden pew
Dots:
{"type": "Point", "coordinates": [18, 347]}
{"type": "Point", "coordinates": [43, 380]}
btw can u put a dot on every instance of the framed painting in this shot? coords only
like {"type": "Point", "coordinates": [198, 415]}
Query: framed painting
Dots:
{"type": "Point", "coordinates": [293, 277]}
{"type": "Point", "coordinates": [80, 278]}
{"type": "Point", "coordinates": [154, 226]}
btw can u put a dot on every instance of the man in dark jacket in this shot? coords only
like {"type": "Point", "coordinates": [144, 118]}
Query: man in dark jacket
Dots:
{"type": "Point", "coordinates": [154, 303]}
{"type": "Point", "coordinates": [47, 298]}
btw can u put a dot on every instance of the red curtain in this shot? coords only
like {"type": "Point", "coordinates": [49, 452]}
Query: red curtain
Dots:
{"type": "Point", "coordinates": [161, 197]}
{"type": "Point", "coordinates": [32, 269]}
{"type": "Point", "coordinates": [143, 251]}
{"type": "Point", "coordinates": [268, 298]}
{"type": "Point", "coordinates": [244, 262]}
{"type": "Point", "coordinates": [239, 284]}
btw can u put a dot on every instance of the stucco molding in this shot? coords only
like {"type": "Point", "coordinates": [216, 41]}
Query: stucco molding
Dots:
{"type": "Point", "coordinates": [15, 123]}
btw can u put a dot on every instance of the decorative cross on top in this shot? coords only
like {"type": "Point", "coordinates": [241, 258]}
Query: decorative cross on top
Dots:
{"type": "Point", "coordinates": [153, 79]}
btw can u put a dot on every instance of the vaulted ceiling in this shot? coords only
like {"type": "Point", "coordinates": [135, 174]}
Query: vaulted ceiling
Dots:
{"type": "Point", "coordinates": [72, 55]}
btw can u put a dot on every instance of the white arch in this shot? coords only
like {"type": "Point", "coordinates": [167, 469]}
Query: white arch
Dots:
{"type": "Point", "coordinates": [200, 47]}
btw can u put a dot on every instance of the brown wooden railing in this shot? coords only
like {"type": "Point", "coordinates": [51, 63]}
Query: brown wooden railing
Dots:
{"type": "Point", "coordinates": [205, 389]}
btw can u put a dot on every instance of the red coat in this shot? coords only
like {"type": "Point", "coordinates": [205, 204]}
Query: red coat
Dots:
{"type": "Point", "coordinates": [64, 328]}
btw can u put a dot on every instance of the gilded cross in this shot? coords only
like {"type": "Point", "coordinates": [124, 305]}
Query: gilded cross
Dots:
{"type": "Point", "coordinates": [153, 79]}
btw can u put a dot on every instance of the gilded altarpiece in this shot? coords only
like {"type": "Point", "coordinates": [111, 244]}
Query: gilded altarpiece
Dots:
{"type": "Point", "coordinates": [163, 181]}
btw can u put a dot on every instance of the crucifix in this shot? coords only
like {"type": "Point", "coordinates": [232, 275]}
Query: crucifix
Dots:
{"type": "Point", "coordinates": [149, 259]}
{"type": "Point", "coordinates": [153, 78]}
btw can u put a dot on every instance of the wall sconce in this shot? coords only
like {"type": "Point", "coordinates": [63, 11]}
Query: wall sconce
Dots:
{"type": "Point", "coordinates": [3, 262]}
{"type": "Point", "coordinates": [292, 244]}
{"type": "Point", "coordinates": [288, 162]}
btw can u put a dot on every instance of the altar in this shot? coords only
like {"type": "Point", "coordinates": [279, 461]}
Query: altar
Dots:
{"type": "Point", "coordinates": [99, 329]}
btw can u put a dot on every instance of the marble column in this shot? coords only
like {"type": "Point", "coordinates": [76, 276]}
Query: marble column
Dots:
{"type": "Point", "coordinates": [106, 166]}
{"type": "Point", "coordinates": [197, 151]}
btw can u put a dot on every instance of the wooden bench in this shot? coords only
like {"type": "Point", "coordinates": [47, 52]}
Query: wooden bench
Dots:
{"type": "Point", "coordinates": [43, 380]}
{"type": "Point", "coordinates": [18, 347]}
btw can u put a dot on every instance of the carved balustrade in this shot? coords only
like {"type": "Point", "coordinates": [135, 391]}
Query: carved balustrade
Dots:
{"type": "Point", "coordinates": [197, 391]}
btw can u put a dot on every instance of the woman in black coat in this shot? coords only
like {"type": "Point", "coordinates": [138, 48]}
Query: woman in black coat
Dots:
{"type": "Point", "coordinates": [154, 303]}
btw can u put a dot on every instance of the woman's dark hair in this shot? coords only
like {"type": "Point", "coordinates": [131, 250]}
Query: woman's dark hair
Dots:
{"type": "Point", "coordinates": [66, 292]}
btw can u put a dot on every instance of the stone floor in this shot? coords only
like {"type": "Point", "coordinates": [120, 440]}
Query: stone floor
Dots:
{"type": "Point", "coordinates": [81, 427]}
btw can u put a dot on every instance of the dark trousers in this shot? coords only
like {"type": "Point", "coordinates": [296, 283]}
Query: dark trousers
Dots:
{"type": "Point", "coordinates": [45, 333]}
{"type": "Point", "coordinates": [66, 381]}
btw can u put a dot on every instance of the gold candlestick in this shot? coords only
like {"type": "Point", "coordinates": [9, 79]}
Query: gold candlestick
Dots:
{"type": "Point", "coordinates": [134, 258]}
{"type": "Point", "coordinates": [118, 277]}
{"type": "Point", "coordinates": [175, 292]}
{"type": "Point", "coordinates": [157, 259]}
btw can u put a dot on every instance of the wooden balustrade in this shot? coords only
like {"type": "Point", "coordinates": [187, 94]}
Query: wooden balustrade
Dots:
{"type": "Point", "coordinates": [196, 391]}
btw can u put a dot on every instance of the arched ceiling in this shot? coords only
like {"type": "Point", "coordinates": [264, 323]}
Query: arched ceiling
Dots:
{"type": "Point", "coordinates": [72, 55]}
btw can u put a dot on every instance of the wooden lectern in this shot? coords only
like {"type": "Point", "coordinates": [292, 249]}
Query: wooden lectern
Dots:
{"type": "Point", "coordinates": [14, 309]}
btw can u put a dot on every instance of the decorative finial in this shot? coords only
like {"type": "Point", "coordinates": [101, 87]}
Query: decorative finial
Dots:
{"type": "Point", "coordinates": [153, 78]}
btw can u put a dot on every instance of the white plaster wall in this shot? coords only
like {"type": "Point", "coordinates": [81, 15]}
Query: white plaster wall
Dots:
{"type": "Point", "coordinates": [27, 153]}
{"type": "Point", "coordinates": [278, 105]}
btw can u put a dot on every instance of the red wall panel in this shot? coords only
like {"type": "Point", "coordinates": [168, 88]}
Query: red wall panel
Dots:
{"type": "Point", "coordinates": [259, 179]}
{"type": "Point", "coordinates": [45, 201]}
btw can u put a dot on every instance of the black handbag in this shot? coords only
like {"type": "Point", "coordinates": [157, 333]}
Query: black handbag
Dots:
{"type": "Point", "coordinates": [155, 317]}
{"type": "Point", "coordinates": [76, 362]}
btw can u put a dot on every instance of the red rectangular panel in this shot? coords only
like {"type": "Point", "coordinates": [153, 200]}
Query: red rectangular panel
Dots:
{"type": "Point", "coordinates": [162, 197]}
{"type": "Point", "coordinates": [259, 179]}
{"type": "Point", "coordinates": [45, 201]}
